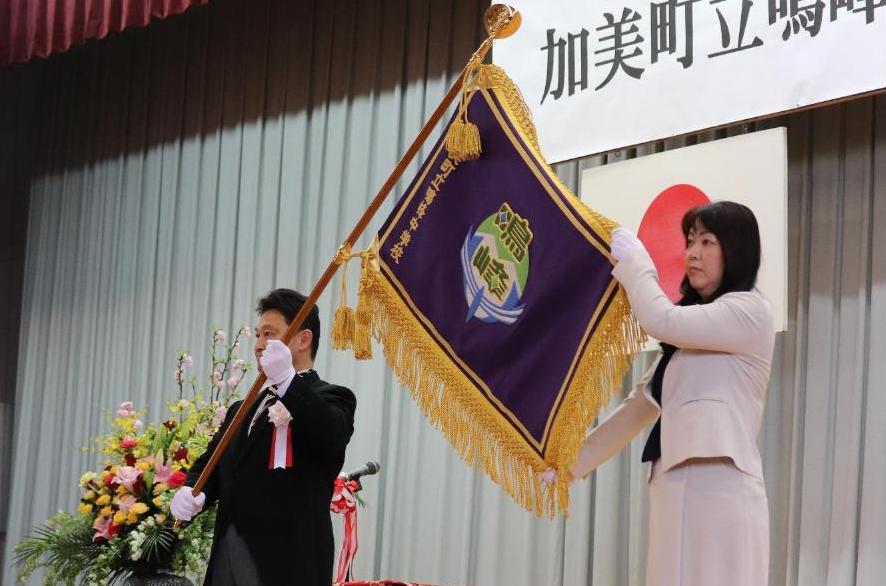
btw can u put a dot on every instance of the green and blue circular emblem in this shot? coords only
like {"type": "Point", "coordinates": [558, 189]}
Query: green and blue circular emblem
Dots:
{"type": "Point", "coordinates": [495, 265]}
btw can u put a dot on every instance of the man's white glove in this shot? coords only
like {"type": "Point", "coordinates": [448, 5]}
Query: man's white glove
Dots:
{"type": "Point", "coordinates": [276, 362]}
{"type": "Point", "coordinates": [185, 505]}
{"type": "Point", "coordinates": [624, 244]}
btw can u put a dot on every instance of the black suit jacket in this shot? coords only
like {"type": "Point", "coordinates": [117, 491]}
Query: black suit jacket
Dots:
{"type": "Point", "coordinates": [283, 514]}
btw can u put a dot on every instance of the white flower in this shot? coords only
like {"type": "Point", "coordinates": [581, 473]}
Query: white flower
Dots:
{"type": "Point", "coordinates": [137, 425]}
{"type": "Point", "coordinates": [187, 361]}
{"type": "Point", "coordinates": [279, 414]}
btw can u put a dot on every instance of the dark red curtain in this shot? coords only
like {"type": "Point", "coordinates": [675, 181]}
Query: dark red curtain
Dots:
{"type": "Point", "coordinates": [38, 28]}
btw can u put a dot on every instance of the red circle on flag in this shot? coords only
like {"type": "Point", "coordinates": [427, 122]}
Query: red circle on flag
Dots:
{"type": "Point", "coordinates": [661, 234]}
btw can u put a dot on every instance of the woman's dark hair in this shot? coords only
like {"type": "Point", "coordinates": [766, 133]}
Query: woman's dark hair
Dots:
{"type": "Point", "coordinates": [736, 229]}
{"type": "Point", "coordinates": [289, 302]}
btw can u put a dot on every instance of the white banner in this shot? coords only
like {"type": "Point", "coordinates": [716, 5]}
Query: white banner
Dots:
{"type": "Point", "coordinates": [606, 74]}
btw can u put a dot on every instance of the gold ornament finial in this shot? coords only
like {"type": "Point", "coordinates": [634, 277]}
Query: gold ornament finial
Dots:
{"type": "Point", "coordinates": [502, 20]}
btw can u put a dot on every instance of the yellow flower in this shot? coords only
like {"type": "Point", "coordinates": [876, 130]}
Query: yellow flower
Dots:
{"type": "Point", "coordinates": [139, 508]}
{"type": "Point", "coordinates": [121, 490]}
{"type": "Point", "coordinates": [143, 466]}
{"type": "Point", "coordinates": [103, 500]}
{"type": "Point", "coordinates": [160, 487]}
{"type": "Point", "coordinates": [89, 495]}
{"type": "Point", "coordinates": [86, 478]}
{"type": "Point", "coordinates": [160, 518]}
{"type": "Point", "coordinates": [119, 517]}
{"type": "Point", "coordinates": [132, 518]}
{"type": "Point", "coordinates": [106, 511]}
{"type": "Point", "coordinates": [158, 501]}
{"type": "Point", "coordinates": [85, 508]}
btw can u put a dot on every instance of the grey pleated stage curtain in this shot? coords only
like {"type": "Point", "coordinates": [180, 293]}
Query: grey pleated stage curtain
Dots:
{"type": "Point", "coordinates": [177, 173]}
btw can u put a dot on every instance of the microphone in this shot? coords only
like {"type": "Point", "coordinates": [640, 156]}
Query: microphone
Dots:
{"type": "Point", "coordinates": [365, 470]}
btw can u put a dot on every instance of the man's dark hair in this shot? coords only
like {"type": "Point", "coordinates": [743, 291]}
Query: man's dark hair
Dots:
{"type": "Point", "coordinates": [735, 227]}
{"type": "Point", "coordinates": [288, 303]}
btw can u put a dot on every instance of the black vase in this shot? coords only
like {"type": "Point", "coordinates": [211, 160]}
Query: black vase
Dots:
{"type": "Point", "coordinates": [158, 578]}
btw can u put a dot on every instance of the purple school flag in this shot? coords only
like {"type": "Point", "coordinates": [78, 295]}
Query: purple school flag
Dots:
{"type": "Point", "coordinates": [490, 290]}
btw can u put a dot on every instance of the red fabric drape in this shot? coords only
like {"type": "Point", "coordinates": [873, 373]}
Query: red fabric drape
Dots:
{"type": "Point", "coordinates": [38, 28]}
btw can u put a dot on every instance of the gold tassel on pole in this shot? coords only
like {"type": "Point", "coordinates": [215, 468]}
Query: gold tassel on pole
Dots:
{"type": "Point", "coordinates": [363, 315]}
{"type": "Point", "coordinates": [343, 323]}
{"type": "Point", "coordinates": [463, 137]}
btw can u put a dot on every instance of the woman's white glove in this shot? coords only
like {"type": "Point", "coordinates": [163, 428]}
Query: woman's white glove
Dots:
{"type": "Point", "coordinates": [624, 244]}
{"type": "Point", "coordinates": [185, 505]}
{"type": "Point", "coordinates": [549, 476]}
{"type": "Point", "coordinates": [276, 362]}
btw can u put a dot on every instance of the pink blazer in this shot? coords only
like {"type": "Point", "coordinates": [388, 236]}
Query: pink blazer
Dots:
{"type": "Point", "coordinates": [714, 387]}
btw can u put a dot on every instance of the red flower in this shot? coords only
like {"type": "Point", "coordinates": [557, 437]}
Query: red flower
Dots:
{"type": "Point", "coordinates": [181, 454]}
{"type": "Point", "coordinates": [130, 459]}
{"type": "Point", "coordinates": [113, 530]}
{"type": "Point", "coordinates": [138, 486]}
{"type": "Point", "coordinates": [127, 443]}
{"type": "Point", "coordinates": [176, 478]}
{"type": "Point", "coordinates": [169, 424]}
{"type": "Point", "coordinates": [110, 481]}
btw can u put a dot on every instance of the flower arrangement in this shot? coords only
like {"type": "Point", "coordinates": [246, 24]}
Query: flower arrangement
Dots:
{"type": "Point", "coordinates": [123, 525]}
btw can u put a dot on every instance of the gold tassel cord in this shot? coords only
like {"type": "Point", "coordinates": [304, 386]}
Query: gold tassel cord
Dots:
{"type": "Point", "coordinates": [343, 323]}
{"type": "Point", "coordinates": [463, 136]}
{"type": "Point", "coordinates": [362, 343]}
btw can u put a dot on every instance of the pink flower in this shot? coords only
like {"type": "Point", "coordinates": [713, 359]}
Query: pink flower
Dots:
{"type": "Point", "coordinates": [220, 335]}
{"type": "Point", "coordinates": [161, 472]}
{"type": "Point", "coordinates": [102, 529]}
{"type": "Point", "coordinates": [219, 416]}
{"type": "Point", "coordinates": [128, 443]}
{"type": "Point", "coordinates": [179, 376]}
{"type": "Point", "coordinates": [187, 361]}
{"type": "Point", "coordinates": [137, 425]}
{"type": "Point", "coordinates": [216, 378]}
{"type": "Point", "coordinates": [125, 409]}
{"type": "Point", "coordinates": [238, 365]}
{"type": "Point", "coordinates": [127, 476]}
{"type": "Point", "coordinates": [233, 382]}
{"type": "Point", "coordinates": [245, 332]}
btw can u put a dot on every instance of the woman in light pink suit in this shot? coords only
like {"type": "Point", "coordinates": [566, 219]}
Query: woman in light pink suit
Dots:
{"type": "Point", "coordinates": [709, 519]}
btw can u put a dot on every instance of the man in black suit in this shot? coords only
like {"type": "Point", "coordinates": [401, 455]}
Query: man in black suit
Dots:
{"type": "Point", "coordinates": [275, 481]}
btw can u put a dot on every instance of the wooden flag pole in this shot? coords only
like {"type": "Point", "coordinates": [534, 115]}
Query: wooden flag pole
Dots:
{"type": "Point", "coordinates": [501, 21]}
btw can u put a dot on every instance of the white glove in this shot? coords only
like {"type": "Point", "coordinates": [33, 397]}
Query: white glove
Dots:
{"type": "Point", "coordinates": [624, 244]}
{"type": "Point", "coordinates": [549, 476]}
{"type": "Point", "coordinates": [276, 362]}
{"type": "Point", "coordinates": [185, 505]}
